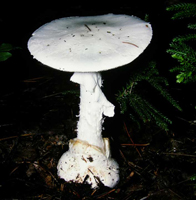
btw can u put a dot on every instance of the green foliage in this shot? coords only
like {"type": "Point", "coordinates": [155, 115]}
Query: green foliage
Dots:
{"type": "Point", "coordinates": [4, 51]}
{"type": "Point", "coordinates": [193, 179]}
{"type": "Point", "coordinates": [73, 92]}
{"type": "Point", "coordinates": [182, 48]}
{"type": "Point", "coordinates": [183, 10]}
{"type": "Point", "coordinates": [132, 98]}
{"type": "Point", "coordinates": [146, 18]}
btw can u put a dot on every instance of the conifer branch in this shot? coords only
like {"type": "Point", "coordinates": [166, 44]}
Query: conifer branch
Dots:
{"type": "Point", "coordinates": [180, 48]}
{"type": "Point", "coordinates": [134, 100]}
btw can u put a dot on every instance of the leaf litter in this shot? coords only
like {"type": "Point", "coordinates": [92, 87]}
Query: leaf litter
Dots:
{"type": "Point", "coordinates": [154, 164]}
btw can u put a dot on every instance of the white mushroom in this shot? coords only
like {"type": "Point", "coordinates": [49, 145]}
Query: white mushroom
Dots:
{"type": "Point", "coordinates": [86, 46]}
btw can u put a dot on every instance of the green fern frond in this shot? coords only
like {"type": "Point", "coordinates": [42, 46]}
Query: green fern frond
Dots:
{"type": "Point", "coordinates": [192, 26]}
{"type": "Point", "coordinates": [145, 112]}
{"type": "Point", "coordinates": [137, 106]}
{"type": "Point", "coordinates": [182, 52]}
{"type": "Point", "coordinates": [133, 100]}
{"type": "Point", "coordinates": [160, 119]}
{"type": "Point", "coordinates": [185, 10]}
{"type": "Point", "coordinates": [180, 47]}
{"type": "Point", "coordinates": [186, 56]}
{"type": "Point", "coordinates": [185, 38]}
{"type": "Point", "coordinates": [157, 81]}
{"type": "Point", "coordinates": [180, 6]}
{"type": "Point", "coordinates": [165, 94]}
{"type": "Point", "coordinates": [175, 69]}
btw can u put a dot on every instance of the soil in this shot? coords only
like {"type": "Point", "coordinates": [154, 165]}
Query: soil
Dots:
{"type": "Point", "coordinates": [38, 121]}
{"type": "Point", "coordinates": [39, 108]}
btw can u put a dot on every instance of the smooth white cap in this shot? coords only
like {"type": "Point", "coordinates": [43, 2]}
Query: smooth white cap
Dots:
{"type": "Point", "coordinates": [90, 44]}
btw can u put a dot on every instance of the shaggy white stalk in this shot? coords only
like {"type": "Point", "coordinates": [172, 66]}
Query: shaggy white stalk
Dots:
{"type": "Point", "coordinates": [88, 157]}
{"type": "Point", "coordinates": [93, 105]}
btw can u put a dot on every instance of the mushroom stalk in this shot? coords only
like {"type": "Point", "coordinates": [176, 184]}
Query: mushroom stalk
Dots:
{"type": "Point", "coordinates": [88, 158]}
{"type": "Point", "coordinates": [93, 105]}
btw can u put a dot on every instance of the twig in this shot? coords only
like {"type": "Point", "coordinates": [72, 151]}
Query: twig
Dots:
{"type": "Point", "coordinates": [103, 195]}
{"type": "Point", "coordinates": [87, 27]}
{"type": "Point", "coordinates": [131, 87]}
{"type": "Point", "coordinates": [51, 95]}
{"type": "Point", "coordinates": [124, 93]}
{"type": "Point", "coordinates": [11, 137]}
{"type": "Point", "coordinates": [131, 164]}
{"type": "Point", "coordinates": [93, 192]}
{"type": "Point", "coordinates": [192, 122]}
{"type": "Point", "coordinates": [121, 153]}
{"type": "Point", "coordinates": [8, 138]}
{"type": "Point", "coordinates": [32, 80]}
{"type": "Point", "coordinates": [144, 198]}
{"type": "Point", "coordinates": [140, 145]}
{"type": "Point", "coordinates": [14, 170]}
{"type": "Point", "coordinates": [175, 194]}
{"type": "Point", "coordinates": [180, 154]}
{"type": "Point", "coordinates": [131, 44]}
{"type": "Point", "coordinates": [3, 125]}
{"type": "Point", "coordinates": [41, 168]}
{"type": "Point", "coordinates": [131, 139]}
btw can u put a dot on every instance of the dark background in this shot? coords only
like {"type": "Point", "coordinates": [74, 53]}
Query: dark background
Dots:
{"type": "Point", "coordinates": [26, 107]}
{"type": "Point", "coordinates": [19, 20]}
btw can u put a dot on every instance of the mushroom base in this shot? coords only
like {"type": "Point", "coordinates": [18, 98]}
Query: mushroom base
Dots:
{"type": "Point", "coordinates": [86, 163]}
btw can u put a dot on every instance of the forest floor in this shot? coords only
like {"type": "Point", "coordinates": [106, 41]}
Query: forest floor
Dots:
{"type": "Point", "coordinates": [35, 132]}
{"type": "Point", "coordinates": [38, 117]}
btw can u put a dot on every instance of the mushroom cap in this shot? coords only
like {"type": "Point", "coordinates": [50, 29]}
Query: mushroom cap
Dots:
{"type": "Point", "coordinates": [90, 44]}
